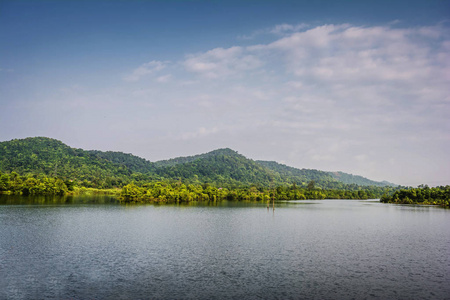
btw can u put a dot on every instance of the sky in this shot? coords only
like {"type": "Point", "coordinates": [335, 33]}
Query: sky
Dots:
{"type": "Point", "coordinates": [361, 87]}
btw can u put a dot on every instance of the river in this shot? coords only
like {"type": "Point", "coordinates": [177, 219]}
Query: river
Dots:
{"type": "Point", "coordinates": [96, 248]}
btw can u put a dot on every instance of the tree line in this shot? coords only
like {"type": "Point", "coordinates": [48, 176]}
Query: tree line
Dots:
{"type": "Point", "coordinates": [180, 192]}
{"type": "Point", "coordinates": [105, 170]}
{"type": "Point", "coordinates": [41, 184]}
{"type": "Point", "coordinates": [423, 194]}
{"type": "Point", "coordinates": [43, 166]}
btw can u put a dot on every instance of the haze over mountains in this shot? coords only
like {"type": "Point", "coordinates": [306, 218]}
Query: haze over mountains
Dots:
{"type": "Point", "coordinates": [42, 155]}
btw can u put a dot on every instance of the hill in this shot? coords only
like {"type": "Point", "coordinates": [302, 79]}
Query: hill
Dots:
{"type": "Point", "coordinates": [187, 159]}
{"type": "Point", "coordinates": [359, 180]}
{"type": "Point", "coordinates": [42, 155]}
{"type": "Point", "coordinates": [221, 167]}
{"type": "Point", "coordinates": [299, 176]}
{"type": "Point", "coordinates": [132, 162]}
{"type": "Point", "coordinates": [325, 179]}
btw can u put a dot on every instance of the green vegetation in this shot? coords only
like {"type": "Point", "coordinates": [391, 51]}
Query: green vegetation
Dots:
{"type": "Point", "coordinates": [16, 184]}
{"type": "Point", "coordinates": [97, 169]}
{"type": "Point", "coordinates": [178, 192]}
{"type": "Point", "coordinates": [358, 180]}
{"type": "Point", "coordinates": [299, 176]}
{"type": "Point", "coordinates": [48, 166]}
{"type": "Point", "coordinates": [422, 195]}
{"type": "Point", "coordinates": [32, 185]}
{"type": "Point", "coordinates": [90, 169]}
{"type": "Point", "coordinates": [223, 167]}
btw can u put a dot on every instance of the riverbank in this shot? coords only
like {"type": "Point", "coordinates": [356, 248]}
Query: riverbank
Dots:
{"type": "Point", "coordinates": [422, 195]}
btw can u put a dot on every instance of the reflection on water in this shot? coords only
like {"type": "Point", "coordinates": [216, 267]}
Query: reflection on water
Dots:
{"type": "Point", "coordinates": [94, 248]}
{"type": "Point", "coordinates": [57, 200]}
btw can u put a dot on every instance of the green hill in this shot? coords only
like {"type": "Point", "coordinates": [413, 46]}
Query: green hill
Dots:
{"type": "Point", "coordinates": [359, 180]}
{"type": "Point", "coordinates": [132, 162]}
{"type": "Point", "coordinates": [322, 178]}
{"type": "Point", "coordinates": [41, 155]}
{"type": "Point", "coordinates": [299, 176]}
{"type": "Point", "coordinates": [222, 167]}
{"type": "Point", "coordinates": [218, 167]}
{"type": "Point", "coordinates": [187, 159]}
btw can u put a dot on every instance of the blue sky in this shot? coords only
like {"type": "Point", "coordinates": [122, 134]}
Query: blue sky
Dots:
{"type": "Point", "coordinates": [354, 86]}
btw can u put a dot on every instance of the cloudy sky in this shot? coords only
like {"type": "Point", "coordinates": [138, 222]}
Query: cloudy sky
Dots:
{"type": "Point", "coordinates": [356, 86]}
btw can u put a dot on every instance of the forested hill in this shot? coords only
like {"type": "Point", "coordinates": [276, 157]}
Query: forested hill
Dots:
{"type": "Point", "coordinates": [322, 178]}
{"type": "Point", "coordinates": [359, 180]}
{"type": "Point", "coordinates": [302, 175]}
{"type": "Point", "coordinates": [132, 162]}
{"type": "Point", "coordinates": [188, 159]}
{"type": "Point", "coordinates": [41, 155]}
{"type": "Point", "coordinates": [222, 167]}
{"type": "Point", "coordinates": [219, 167]}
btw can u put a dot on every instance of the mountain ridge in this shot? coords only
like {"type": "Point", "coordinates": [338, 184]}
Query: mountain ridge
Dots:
{"type": "Point", "coordinates": [186, 159]}
{"type": "Point", "coordinates": [109, 168]}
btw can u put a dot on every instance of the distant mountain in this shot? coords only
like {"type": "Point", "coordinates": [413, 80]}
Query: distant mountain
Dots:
{"type": "Point", "coordinates": [188, 159]}
{"type": "Point", "coordinates": [298, 176]}
{"type": "Point", "coordinates": [132, 162]}
{"type": "Point", "coordinates": [222, 167]}
{"type": "Point", "coordinates": [359, 180]}
{"type": "Point", "coordinates": [322, 178]}
{"type": "Point", "coordinates": [219, 167]}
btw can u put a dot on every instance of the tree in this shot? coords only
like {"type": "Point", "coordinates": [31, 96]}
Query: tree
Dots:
{"type": "Point", "coordinates": [4, 182]}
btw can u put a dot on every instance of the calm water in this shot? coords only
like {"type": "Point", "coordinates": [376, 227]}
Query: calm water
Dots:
{"type": "Point", "coordinates": [90, 248]}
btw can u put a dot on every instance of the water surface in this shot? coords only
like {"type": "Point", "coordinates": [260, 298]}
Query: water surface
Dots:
{"type": "Point", "coordinates": [95, 248]}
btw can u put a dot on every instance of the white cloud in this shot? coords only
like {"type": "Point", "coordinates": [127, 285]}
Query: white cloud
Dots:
{"type": "Point", "coordinates": [221, 62]}
{"type": "Point", "coordinates": [145, 69]}
{"type": "Point", "coordinates": [199, 133]}
{"type": "Point", "coordinates": [372, 86]}
{"type": "Point", "coordinates": [287, 28]}
{"type": "Point", "coordinates": [349, 75]}
{"type": "Point", "coordinates": [331, 97]}
{"type": "Point", "coordinates": [280, 29]}
{"type": "Point", "coordinates": [343, 53]}
{"type": "Point", "coordinates": [164, 78]}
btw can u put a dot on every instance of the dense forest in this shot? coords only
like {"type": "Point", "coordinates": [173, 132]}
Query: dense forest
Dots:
{"type": "Point", "coordinates": [47, 166]}
{"type": "Point", "coordinates": [359, 180]}
{"type": "Point", "coordinates": [222, 167]}
{"type": "Point", "coordinates": [166, 192]}
{"type": "Point", "coordinates": [13, 183]}
{"type": "Point", "coordinates": [421, 195]}
{"type": "Point", "coordinates": [49, 157]}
